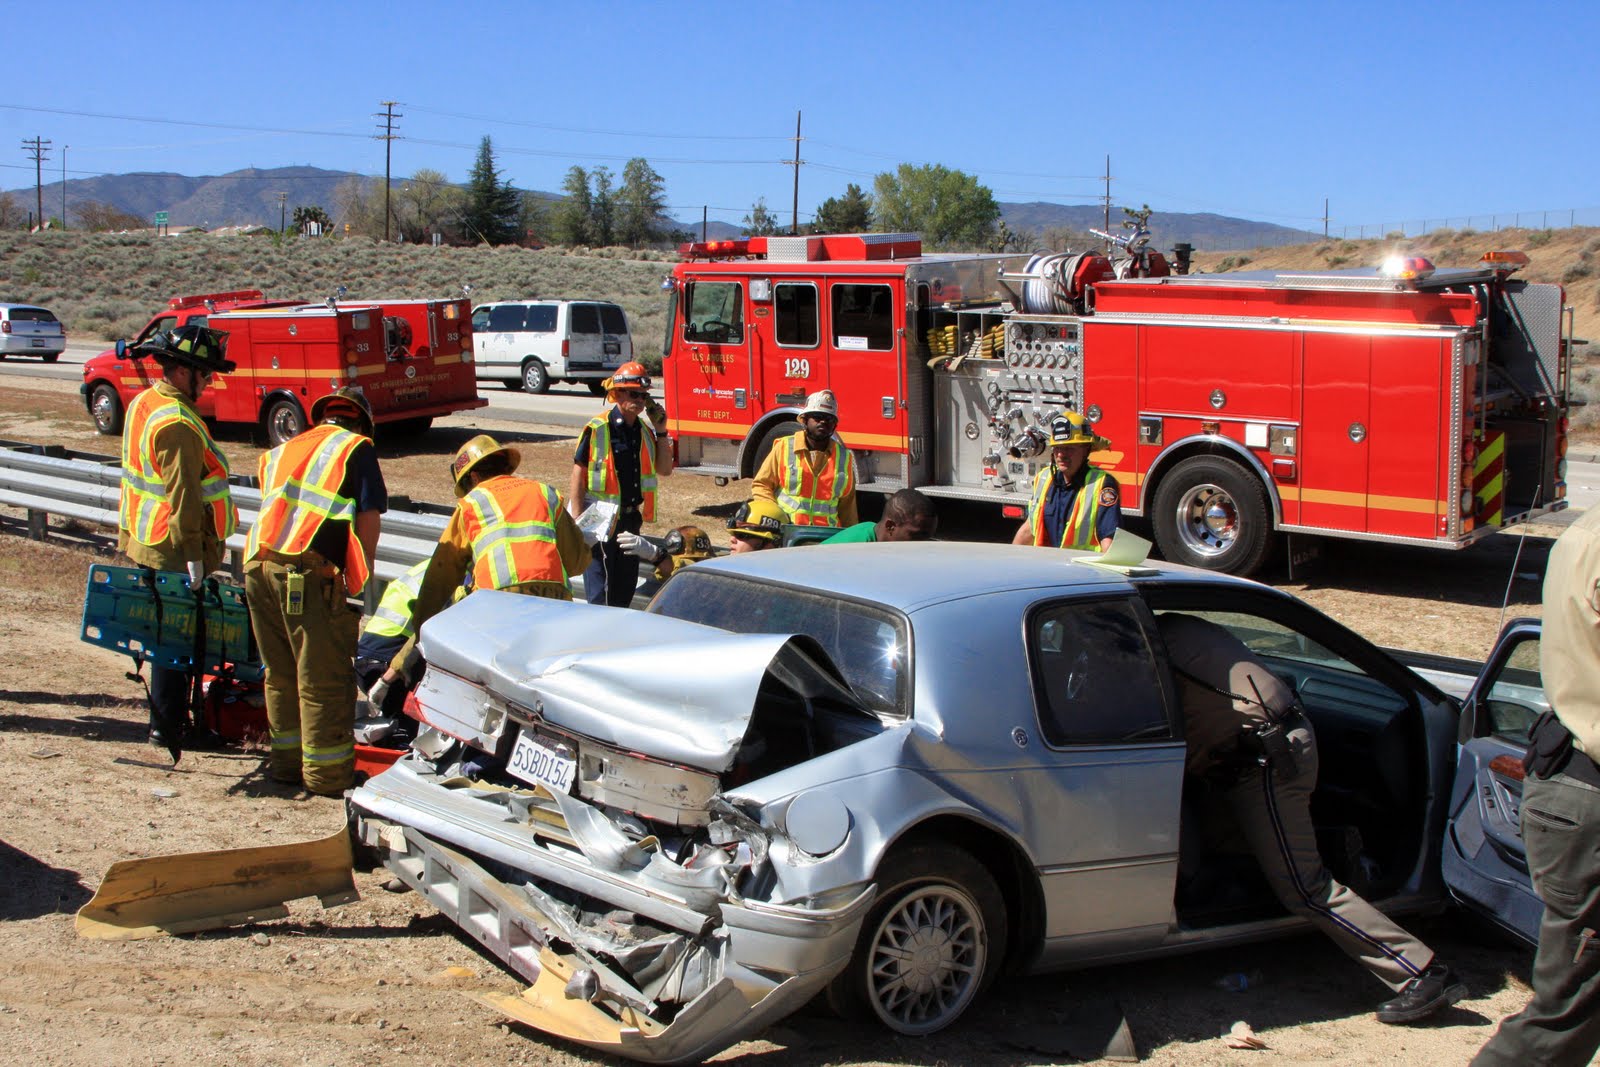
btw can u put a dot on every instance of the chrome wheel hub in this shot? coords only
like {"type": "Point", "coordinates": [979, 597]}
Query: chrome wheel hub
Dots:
{"type": "Point", "coordinates": [926, 959]}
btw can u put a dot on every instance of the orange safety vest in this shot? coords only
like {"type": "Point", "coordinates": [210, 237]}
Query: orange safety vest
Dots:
{"type": "Point", "coordinates": [812, 499]}
{"type": "Point", "coordinates": [1082, 521]}
{"type": "Point", "coordinates": [144, 510]}
{"type": "Point", "coordinates": [603, 467]}
{"type": "Point", "coordinates": [300, 482]}
{"type": "Point", "coordinates": [511, 524]}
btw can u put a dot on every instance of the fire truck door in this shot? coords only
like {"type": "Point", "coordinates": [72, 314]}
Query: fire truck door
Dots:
{"type": "Point", "coordinates": [1334, 439]}
{"type": "Point", "coordinates": [866, 367]}
{"type": "Point", "coordinates": [788, 336]}
{"type": "Point", "coordinates": [716, 383]}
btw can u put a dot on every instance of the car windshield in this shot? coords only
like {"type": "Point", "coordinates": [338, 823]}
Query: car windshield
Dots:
{"type": "Point", "coordinates": [868, 644]}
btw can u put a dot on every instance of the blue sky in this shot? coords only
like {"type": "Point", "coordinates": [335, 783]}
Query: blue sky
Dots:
{"type": "Point", "coordinates": [1396, 112]}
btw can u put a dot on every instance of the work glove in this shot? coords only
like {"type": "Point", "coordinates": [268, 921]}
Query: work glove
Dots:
{"type": "Point", "coordinates": [375, 695]}
{"type": "Point", "coordinates": [197, 573]}
{"type": "Point", "coordinates": [634, 545]}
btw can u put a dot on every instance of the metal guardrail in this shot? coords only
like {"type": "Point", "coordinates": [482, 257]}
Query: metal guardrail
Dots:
{"type": "Point", "coordinates": [47, 480]}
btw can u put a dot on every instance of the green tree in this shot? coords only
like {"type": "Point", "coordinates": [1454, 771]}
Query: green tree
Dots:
{"type": "Point", "coordinates": [492, 205]}
{"type": "Point", "coordinates": [305, 214]}
{"type": "Point", "coordinates": [97, 217]}
{"type": "Point", "coordinates": [569, 222]}
{"type": "Point", "coordinates": [641, 202]}
{"type": "Point", "coordinates": [12, 216]}
{"type": "Point", "coordinates": [426, 204]}
{"type": "Point", "coordinates": [948, 207]}
{"type": "Point", "coordinates": [534, 219]}
{"type": "Point", "coordinates": [603, 208]}
{"type": "Point", "coordinates": [850, 213]}
{"type": "Point", "coordinates": [760, 222]}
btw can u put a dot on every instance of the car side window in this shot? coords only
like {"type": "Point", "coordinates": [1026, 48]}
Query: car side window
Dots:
{"type": "Point", "coordinates": [612, 320]}
{"type": "Point", "coordinates": [480, 319]}
{"type": "Point", "coordinates": [795, 314]}
{"type": "Point", "coordinates": [165, 322]}
{"type": "Point", "coordinates": [541, 318]}
{"type": "Point", "coordinates": [1096, 678]}
{"type": "Point", "coordinates": [1515, 696]}
{"type": "Point", "coordinates": [507, 318]}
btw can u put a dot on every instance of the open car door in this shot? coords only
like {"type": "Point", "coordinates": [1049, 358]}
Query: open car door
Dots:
{"type": "Point", "coordinates": [1485, 863]}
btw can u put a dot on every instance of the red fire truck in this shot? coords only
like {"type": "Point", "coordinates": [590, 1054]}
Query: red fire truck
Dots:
{"type": "Point", "coordinates": [412, 358]}
{"type": "Point", "coordinates": [1409, 404]}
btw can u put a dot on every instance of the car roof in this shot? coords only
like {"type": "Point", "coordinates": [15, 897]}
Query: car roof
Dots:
{"type": "Point", "coordinates": [912, 575]}
{"type": "Point", "coordinates": [28, 307]}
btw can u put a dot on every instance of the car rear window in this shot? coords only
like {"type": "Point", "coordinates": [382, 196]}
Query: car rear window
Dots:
{"type": "Point", "coordinates": [585, 318]}
{"type": "Point", "coordinates": [541, 318]}
{"type": "Point", "coordinates": [869, 644]}
{"type": "Point", "coordinates": [612, 320]}
{"type": "Point", "coordinates": [31, 315]}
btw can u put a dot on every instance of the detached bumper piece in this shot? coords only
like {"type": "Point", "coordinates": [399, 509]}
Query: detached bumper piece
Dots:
{"type": "Point", "coordinates": [627, 951]}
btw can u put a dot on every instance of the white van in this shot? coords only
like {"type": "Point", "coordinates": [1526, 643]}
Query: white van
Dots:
{"type": "Point", "coordinates": [527, 344]}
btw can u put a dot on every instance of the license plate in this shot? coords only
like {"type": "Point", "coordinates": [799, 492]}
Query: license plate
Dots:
{"type": "Point", "coordinates": [410, 394]}
{"type": "Point", "coordinates": [38, 342]}
{"type": "Point", "coordinates": [613, 348]}
{"type": "Point", "coordinates": [539, 764]}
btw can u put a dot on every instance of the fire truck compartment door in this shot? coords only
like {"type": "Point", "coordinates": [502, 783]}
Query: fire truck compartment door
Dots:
{"type": "Point", "coordinates": [1334, 440]}
{"type": "Point", "coordinates": [865, 363]}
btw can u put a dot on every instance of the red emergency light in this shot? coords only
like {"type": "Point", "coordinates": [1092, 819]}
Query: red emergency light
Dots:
{"type": "Point", "coordinates": [1504, 263]}
{"type": "Point", "coordinates": [725, 249]}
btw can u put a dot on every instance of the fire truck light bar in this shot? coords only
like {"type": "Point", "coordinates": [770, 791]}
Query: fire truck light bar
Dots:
{"type": "Point", "coordinates": [1407, 268]}
{"type": "Point", "coordinates": [729, 249]}
{"type": "Point", "coordinates": [1505, 262]}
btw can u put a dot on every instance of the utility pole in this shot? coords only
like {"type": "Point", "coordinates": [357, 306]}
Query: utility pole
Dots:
{"type": "Point", "coordinates": [387, 137]}
{"type": "Point", "coordinates": [794, 217]}
{"type": "Point", "coordinates": [38, 148]}
{"type": "Point", "coordinates": [705, 210]}
{"type": "Point", "coordinates": [1324, 218]}
{"type": "Point", "coordinates": [1107, 199]}
{"type": "Point", "coordinates": [283, 200]}
{"type": "Point", "coordinates": [64, 185]}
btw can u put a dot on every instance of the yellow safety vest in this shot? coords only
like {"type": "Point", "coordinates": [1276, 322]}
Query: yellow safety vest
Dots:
{"type": "Point", "coordinates": [813, 499]}
{"type": "Point", "coordinates": [602, 468]}
{"type": "Point", "coordinates": [1082, 521]}
{"type": "Point", "coordinates": [144, 510]}
{"type": "Point", "coordinates": [300, 482]}
{"type": "Point", "coordinates": [393, 616]}
{"type": "Point", "coordinates": [511, 523]}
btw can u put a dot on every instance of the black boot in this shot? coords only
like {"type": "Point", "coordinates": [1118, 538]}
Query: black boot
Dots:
{"type": "Point", "coordinates": [1436, 989]}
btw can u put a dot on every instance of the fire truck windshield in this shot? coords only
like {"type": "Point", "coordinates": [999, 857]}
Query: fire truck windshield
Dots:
{"type": "Point", "coordinates": [715, 313]}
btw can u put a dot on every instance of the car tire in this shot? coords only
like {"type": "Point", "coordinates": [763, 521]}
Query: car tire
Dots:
{"type": "Point", "coordinates": [409, 427]}
{"type": "Point", "coordinates": [512, 384]}
{"type": "Point", "coordinates": [105, 408]}
{"type": "Point", "coordinates": [597, 386]}
{"type": "Point", "coordinates": [934, 939]}
{"type": "Point", "coordinates": [283, 419]}
{"type": "Point", "coordinates": [535, 378]}
{"type": "Point", "coordinates": [51, 357]}
{"type": "Point", "coordinates": [1210, 512]}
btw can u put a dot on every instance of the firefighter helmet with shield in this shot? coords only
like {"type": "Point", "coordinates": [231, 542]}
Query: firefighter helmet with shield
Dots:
{"type": "Point", "coordinates": [346, 401]}
{"type": "Point", "coordinates": [196, 347]}
{"type": "Point", "coordinates": [630, 375]}
{"type": "Point", "coordinates": [1070, 428]}
{"type": "Point", "coordinates": [758, 518]}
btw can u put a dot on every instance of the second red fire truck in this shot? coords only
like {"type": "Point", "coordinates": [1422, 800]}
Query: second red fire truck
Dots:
{"type": "Point", "coordinates": [1405, 404]}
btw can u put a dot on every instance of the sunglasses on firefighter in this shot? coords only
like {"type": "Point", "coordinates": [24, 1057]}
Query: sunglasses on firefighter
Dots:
{"type": "Point", "coordinates": [633, 394]}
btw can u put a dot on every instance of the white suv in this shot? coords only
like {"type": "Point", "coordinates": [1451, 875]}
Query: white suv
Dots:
{"type": "Point", "coordinates": [26, 330]}
{"type": "Point", "coordinates": [527, 344]}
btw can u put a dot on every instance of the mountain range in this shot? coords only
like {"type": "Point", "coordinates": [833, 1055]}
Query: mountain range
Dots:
{"type": "Point", "coordinates": [251, 197]}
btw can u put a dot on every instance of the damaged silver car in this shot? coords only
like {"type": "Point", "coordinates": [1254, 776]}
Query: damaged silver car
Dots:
{"type": "Point", "coordinates": [879, 773]}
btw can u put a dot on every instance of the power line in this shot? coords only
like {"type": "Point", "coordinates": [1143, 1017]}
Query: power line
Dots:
{"type": "Point", "coordinates": [387, 137]}
{"type": "Point", "coordinates": [38, 147]}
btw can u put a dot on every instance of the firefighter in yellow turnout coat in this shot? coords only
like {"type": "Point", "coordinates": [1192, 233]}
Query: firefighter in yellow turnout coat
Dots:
{"type": "Point", "coordinates": [175, 511]}
{"type": "Point", "coordinates": [311, 548]}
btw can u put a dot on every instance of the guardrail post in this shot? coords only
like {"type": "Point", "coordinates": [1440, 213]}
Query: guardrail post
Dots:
{"type": "Point", "coordinates": [38, 524]}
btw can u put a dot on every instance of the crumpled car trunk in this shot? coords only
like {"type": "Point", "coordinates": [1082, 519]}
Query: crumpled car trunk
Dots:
{"type": "Point", "coordinates": [624, 886]}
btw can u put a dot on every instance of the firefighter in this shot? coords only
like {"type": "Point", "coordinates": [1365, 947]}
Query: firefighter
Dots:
{"type": "Point", "coordinates": [907, 516]}
{"type": "Point", "coordinates": [756, 526]}
{"type": "Point", "coordinates": [681, 547]}
{"type": "Point", "coordinates": [1560, 812]}
{"type": "Point", "coordinates": [619, 459]}
{"type": "Point", "coordinates": [386, 633]}
{"type": "Point", "coordinates": [811, 474]}
{"type": "Point", "coordinates": [507, 533]}
{"type": "Point", "coordinates": [1073, 504]}
{"type": "Point", "coordinates": [175, 511]}
{"type": "Point", "coordinates": [311, 549]}
{"type": "Point", "coordinates": [1252, 746]}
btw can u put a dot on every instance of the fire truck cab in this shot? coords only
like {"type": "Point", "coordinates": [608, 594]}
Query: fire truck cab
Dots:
{"type": "Point", "coordinates": [1406, 404]}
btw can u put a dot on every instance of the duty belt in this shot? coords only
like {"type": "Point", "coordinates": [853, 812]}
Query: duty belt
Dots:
{"type": "Point", "coordinates": [1551, 752]}
{"type": "Point", "coordinates": [309, 562]}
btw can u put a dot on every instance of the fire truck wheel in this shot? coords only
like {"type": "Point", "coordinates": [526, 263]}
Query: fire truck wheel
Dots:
{"type": "Point", "coordinates": [773, 435]}
{"type": "Point", "coordinates": [283, 420]}
{"type": "Point", "coordinates": [1212, 513]}
{"type": "Point", "coordinates": [105, 407]}
{"type": "Point", "coordinates": [535, 379]}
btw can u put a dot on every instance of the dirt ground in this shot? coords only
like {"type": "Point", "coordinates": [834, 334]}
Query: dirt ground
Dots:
{"type": "Point", "coordinates": [386, 980]}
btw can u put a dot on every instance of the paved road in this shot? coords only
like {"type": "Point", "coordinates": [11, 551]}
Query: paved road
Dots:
{"type": "Point", "coordinates": [573, 405]}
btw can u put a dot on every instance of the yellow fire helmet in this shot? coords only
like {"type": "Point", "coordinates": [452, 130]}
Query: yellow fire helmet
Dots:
{"type": "Point", "coordinates": [474, 452]}
{"type": "Point", "coordinates": [1071, 428]}
{"type": "Point", "coordinates": [758, 518]}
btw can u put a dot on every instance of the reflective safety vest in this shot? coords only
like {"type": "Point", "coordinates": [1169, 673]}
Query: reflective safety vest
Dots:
{"type": "Point", "coordinates": [812, 499]}
{"type": "Point", "coordinates": [300, 482]}
{"type": "Point", "coordinates": [602, 483]}
{"type": "Point", "coordinates": [144, 510]}
{"type": "Point", "coordinates": [393, 617]}
{"type": "Point", "coordinates": [1084, 518]}
{"type": "Point", "coordinates": [511, 523]}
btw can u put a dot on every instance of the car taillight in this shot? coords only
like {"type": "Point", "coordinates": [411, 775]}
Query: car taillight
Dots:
{"type": "Point", "coordinates": [566, 348]}
{"type": "Point", "coordinates": [5, 325]}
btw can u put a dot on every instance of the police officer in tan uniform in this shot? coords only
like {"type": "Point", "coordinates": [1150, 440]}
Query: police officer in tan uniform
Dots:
{"type": "Point", "coordinates": [1247, 737]}
{"type": "Point", "coordinates": [1561, 819]}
